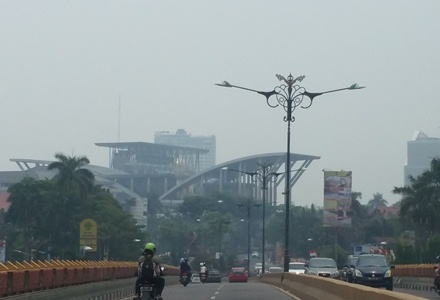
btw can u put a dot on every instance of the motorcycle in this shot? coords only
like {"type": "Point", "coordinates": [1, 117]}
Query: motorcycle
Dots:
{"type": "Point", "coordinates": [184, 279]}
{"type": "Point", "coordinates": [148, 291]}
{"type": "Point", "coordinates": [437, 279]}
{"type": "Point", "coordinates": [202, 277]}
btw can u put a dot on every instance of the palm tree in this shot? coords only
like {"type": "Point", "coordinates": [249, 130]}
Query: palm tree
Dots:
{"type": "Point", "coordinates": [421, 200]}
{"type": "Point", "coordinates": [376, 202]}
{"type": "Point", "coordinates": [71, 173]}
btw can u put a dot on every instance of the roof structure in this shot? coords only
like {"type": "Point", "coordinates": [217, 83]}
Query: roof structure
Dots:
{"type": "Point", "coordinates": [149, 146]}
{"type": "Point", "coordinates": [298, 165]}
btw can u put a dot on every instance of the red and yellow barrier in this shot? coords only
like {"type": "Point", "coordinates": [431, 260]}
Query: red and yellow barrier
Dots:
{"type": "Point", "coordinates": [17, 278]}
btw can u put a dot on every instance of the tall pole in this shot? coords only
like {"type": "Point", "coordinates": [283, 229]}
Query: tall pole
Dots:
{"type": "Point", "coordinates": [287, 182]}
{"type": "Point", "coordinates": [249, 235]}
{"type": "Point", "coordinates": [289, 96]}
{"type": "Point", "coordinates": [263, 260]}
{"type": "Point", "coordinates": [262, 175]}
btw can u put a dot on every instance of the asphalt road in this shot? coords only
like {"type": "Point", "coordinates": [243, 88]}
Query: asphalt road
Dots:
{"type": "Point", "coordinates": [223, 291]}
{"type": "Point", "coordinates": [249, 290]}
{"type": "Point", "coordinates": [423, 294]}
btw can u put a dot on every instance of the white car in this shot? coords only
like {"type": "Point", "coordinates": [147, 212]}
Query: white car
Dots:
{"type": "Point", "coordinates": [275, 270]}
{"type": "Point", "coordinates": [297, 267]}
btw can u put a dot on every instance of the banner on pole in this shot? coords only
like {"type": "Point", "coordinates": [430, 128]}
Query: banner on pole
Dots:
{"type": "Point", "coordinates": [337, 198]}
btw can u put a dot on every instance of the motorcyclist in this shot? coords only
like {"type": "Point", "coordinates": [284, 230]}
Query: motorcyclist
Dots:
{"type": "Point", "coordinates": [203, 272]}
{"type": "Point", "coordinates": [185, 268]}
{"type": "Point", "coordinates": [149, 253]}
{"type": "Point", "coordinates": [437, 273]}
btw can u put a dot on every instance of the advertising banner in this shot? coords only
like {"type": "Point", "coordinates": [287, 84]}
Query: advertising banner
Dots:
{"type": "Point", "coordinates": [337, 198]}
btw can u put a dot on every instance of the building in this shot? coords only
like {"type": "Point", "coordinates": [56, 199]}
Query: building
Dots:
{"type": "Point", "coordinates": [420, 152]}
{"type": "Point", "coordinates": [140, 171]}
{"type": "Point", "coordinates": [183, 139]}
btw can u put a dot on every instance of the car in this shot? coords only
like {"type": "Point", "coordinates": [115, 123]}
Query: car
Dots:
{"type": "Point", "coordinates": [255, 254]}
{"type": "Point", "coordinates": [238, 274]}
{"type": "Point", "coordinates": [297, 267]}
{"type": "Point", "coordinates": [214, 276]}
{"type": "Point", "coordinates": [346, 273]}
{"type": "Point", "coordinates": [275, 270]}
{"type": "Point", "coordinates": [373, 270]}
{"type": "Point", "coordinates": [322, 266]}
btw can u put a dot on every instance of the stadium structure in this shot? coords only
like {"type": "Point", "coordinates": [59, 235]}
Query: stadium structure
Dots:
{"type": "Point", "coordinates": [139, 170]}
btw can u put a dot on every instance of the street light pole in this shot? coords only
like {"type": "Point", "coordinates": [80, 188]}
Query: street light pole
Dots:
{"type": "Point", "coordinates": [248, 207]}
{"type": "Point", "coordinates": [263, 175]}
{"type": "Point", "coordinates": [289, 96]}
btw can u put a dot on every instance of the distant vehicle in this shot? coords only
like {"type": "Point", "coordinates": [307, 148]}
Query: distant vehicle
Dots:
{"type": "Point", "coordinates": [258, 267]}
{"type": "Point", "coordinates": [275, 270]}
{"type": "Point", "coordinates": [373, 270]}
{"type": "Point", "coordinates": [238, 274]}
{"type": "Point", "coordinates": [297, 267]}
{"type": "Point", "coordinates": [255, 254]}
{"type": "Point", "coordinates": [322, 266]}
{"type": "Point", "coordinates": [195, 278]}
{"type": "Point", "coordinates": [346, 273]}
{"type": "Point", "coordinates": [214, 276]}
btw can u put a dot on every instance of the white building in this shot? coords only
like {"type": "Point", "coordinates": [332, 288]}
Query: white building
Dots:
{"type": "Point", "coordinates": [421, 150]}
{"type": "Point", "coordinates": [183, 139]}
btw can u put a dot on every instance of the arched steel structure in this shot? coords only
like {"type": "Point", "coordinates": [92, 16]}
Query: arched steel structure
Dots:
{"type": "Point", "coordinates": [219, 178]}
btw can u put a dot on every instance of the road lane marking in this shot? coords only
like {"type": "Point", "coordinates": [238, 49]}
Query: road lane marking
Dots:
{"type": "Point", "coordinates": [286, 292]}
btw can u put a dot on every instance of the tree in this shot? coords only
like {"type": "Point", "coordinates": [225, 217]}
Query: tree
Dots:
{"type": "Point", "coordinates": [376, 202]}
{"type": "Point", "coordinates": [71, 173]}
{"type": "Point", "coordinates": [46, 218]}
{"type": "Point", "coordinates": [420, 204]}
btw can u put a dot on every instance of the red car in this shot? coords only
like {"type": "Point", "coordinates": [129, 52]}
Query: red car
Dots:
{"type": "Point", "coordinates": [238, 275]}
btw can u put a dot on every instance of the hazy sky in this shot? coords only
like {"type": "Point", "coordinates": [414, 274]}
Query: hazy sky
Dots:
{"type": "Point", "coordinates": [65, 64]}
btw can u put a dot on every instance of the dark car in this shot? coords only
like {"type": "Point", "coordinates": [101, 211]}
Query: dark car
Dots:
{"type": "Point", "coordinates": [346, 273]}
{"type": "Point", "coordinates": [214, 276]}
{"type": "Point", "coordinates": [373, 270]}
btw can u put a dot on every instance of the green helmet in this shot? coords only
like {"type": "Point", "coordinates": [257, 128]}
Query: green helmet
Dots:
{"type": "Point", "coordinates": [151, 247]}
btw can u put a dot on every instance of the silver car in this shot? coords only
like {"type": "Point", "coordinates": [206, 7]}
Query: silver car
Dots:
{"type": "Point", "coordinates": [322, 266]}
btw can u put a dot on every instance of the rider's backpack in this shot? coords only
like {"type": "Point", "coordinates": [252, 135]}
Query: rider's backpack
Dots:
{"type": "Point", "coordinates": [147, 269]}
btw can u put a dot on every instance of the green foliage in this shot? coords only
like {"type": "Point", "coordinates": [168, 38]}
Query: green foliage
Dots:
{"type": "Point", "coordinates": [45, 215]}
{"type": "Point", "coordinates": [419, 211]}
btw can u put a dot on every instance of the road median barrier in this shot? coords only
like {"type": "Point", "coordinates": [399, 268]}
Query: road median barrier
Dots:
{"type": "Point", "coordinates": [21, 278]}
{"type": "Point", "coordinates": [309, 287]}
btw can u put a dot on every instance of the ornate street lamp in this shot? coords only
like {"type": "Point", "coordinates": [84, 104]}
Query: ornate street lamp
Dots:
{"type": "Point", "coordinates": [289, 95]}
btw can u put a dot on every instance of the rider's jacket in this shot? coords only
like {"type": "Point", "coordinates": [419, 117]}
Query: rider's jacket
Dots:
{"type": "Point", "coordinates": [184, 267]}
{"type": "Point", "coordinates": [156, 262]}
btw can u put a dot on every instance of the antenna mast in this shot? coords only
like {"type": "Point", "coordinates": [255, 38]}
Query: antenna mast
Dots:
{"type": "Point", "coordinates": [119, 119]}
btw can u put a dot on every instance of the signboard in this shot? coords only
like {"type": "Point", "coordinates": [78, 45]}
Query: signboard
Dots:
{"type": "Point", "coordinates": [88, 234]}
{"type": "Point", "coordinates": [337, 198]}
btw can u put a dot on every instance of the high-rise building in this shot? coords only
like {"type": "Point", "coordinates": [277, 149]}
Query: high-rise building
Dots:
{"type": "Point", "coordinates": [183, 139]}
{"type": "Point", "coordinates": [421, 150]}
